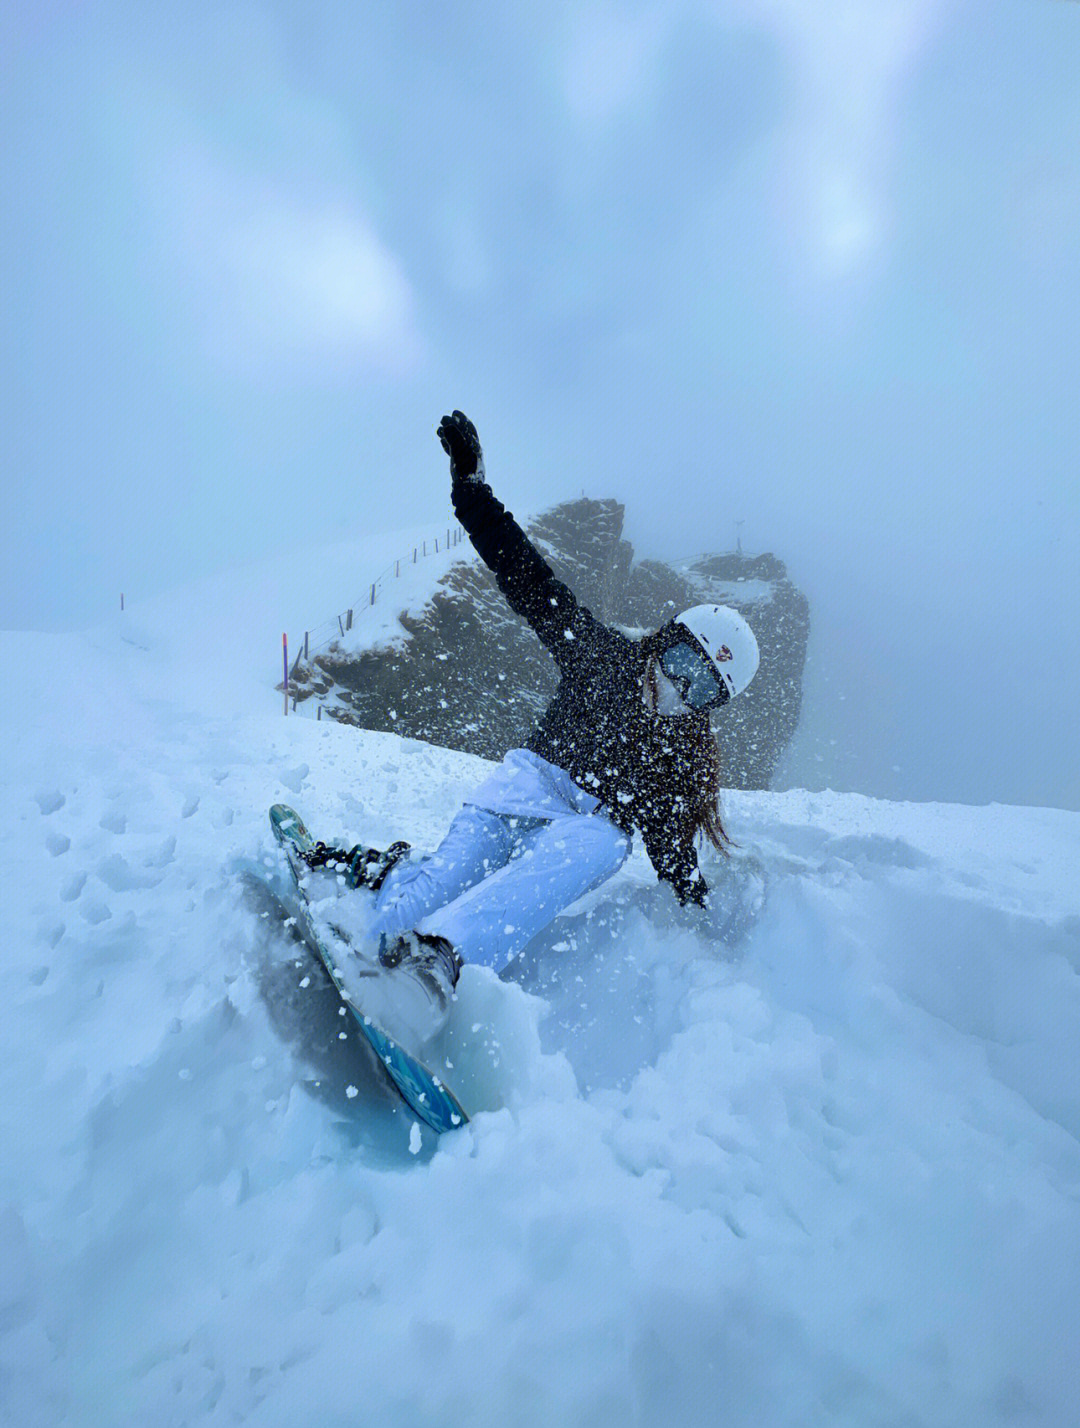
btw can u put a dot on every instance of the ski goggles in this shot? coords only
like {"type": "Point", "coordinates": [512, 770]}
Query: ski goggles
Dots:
{"type": "Point", "coordinates": [694, 675]}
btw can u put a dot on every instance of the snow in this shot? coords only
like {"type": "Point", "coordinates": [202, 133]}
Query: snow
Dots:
{"type": "Point", "coordinates": [826, 1175]}
{"type": "Point", "coordinates": [740, 592]}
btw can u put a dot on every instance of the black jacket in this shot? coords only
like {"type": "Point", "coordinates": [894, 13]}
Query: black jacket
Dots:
{"type": "Point", "coordinates": [642, 767]}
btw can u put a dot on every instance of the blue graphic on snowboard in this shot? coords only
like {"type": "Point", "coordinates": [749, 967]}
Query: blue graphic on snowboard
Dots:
{"type": "Point", "coordinates": [421, 1090]}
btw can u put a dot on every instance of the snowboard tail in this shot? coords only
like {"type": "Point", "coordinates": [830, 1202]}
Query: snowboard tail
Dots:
{"type": "Point", "coordinates": [422, 1091]}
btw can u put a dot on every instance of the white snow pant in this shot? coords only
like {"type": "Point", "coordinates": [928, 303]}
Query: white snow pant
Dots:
{"type": "Point", "coordinates": [503, 873]}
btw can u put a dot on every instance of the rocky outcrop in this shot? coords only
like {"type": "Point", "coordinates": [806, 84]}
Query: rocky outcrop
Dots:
{"type": "Point", "coordinates": [468, 674]}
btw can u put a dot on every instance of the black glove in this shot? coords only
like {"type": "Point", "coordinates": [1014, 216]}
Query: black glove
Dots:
{"type": "Point", "coordinates": [694, 894]}
{"type": "Point", "coordinates": [462, 445]}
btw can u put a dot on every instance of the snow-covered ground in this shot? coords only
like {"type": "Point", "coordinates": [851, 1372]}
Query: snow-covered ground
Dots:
{"type": "Point", "coordinates": [827, 1175]}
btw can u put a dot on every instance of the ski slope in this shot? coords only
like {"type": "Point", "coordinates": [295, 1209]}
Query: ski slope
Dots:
{"type": "Point", "coordinates": [827, 1175]}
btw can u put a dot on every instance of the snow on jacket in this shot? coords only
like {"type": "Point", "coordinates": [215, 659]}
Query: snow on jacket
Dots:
{"type": "Point", "coordinates": [641, 766]}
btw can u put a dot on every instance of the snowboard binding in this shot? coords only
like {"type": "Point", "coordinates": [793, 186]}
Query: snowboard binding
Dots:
{"type": "Point", "coordinates": [361, 867]}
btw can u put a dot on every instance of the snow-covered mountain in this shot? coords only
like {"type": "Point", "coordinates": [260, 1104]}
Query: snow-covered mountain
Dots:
{"type": "Point", "coordinates": [826, 1172]}
{"type": "Point", "coordinates": [458, 668]}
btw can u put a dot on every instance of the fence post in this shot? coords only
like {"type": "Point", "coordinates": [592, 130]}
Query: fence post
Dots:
{"type": "Point", "coordinates": [341, 627]}
{"type": "Point", "coordinates": [348, 621]}
{"type": "Point", "coordinates": [373, 592]}
{"type": "Point", "coordinates": [397, 568]}
{"type": "Point", "coordinates": [425, 547]}
{"type": "Point", "coordinates": [318, 711]}
{"type": "Point", "coordinates": [305, 646]}
{"type": "Point", "coordinates": [436, 545]}
{"type": "Point", "coordinates": [121, 599]}
{"type": "Point", "coordinates": [285, 658]}
{"type": "Point", "coordinates": [414, 555]}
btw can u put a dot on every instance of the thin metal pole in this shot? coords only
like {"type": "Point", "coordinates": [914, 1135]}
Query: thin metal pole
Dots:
{"type": "Point", "coordinates": [285, 657]}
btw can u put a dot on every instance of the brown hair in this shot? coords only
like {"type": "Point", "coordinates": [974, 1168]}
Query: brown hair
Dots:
{"type": "Point", "coordinates": [703, 812]}
{"type": "Point", "coordinates": [701, 754]}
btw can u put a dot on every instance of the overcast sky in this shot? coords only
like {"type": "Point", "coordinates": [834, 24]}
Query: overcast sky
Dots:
{"type": "Point", "coordinates": [809, 264]}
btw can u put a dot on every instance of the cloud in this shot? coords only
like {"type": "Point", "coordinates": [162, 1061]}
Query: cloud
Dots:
{"type": "Point", "coordinates": [849, 62]}
{"type": "Point", "coordinates": [285, 279]}
{"type": "Point", "coordinates": [610, 58]}
{"type": "Point", "coordinates": [250, 198]}
{"type": "Point", "coordinates": [277, 278]}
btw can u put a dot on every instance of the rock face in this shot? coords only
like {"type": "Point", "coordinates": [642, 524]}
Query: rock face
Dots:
{"type": "Point", "coordinates": [470, 675]}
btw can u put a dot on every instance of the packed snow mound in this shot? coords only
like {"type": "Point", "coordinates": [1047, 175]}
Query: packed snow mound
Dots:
{"type": "Point", "coordinates": [822, 1170]}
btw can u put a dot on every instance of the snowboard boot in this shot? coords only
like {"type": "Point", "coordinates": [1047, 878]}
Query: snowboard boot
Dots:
{"type": "Point", "coordinates": [420, 971]}
{"type": "Point", "coordinates": [361, 867]}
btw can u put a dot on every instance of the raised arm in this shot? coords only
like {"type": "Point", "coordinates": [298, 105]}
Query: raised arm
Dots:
{"type": "Point", "coordinates": [521, 572]}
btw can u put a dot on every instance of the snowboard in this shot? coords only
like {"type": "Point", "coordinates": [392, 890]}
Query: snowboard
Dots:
{"type": "Point", "coordinates": [422, 1091]}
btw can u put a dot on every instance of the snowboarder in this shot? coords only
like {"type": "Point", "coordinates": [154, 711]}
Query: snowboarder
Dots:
{"type": "Point", "coordinates": [625, 744]}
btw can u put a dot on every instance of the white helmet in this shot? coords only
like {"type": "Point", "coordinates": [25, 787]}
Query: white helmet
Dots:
{"type": "Point", "coordinates": [728, 641]}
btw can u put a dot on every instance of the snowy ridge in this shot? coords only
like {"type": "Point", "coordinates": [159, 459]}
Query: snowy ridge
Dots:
{"type": "Point", "coordinates": [405, 584]}
{"type": "Point", "coordinates": [829, 1175]}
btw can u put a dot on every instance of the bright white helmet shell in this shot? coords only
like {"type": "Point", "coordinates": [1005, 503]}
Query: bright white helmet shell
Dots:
{"type": "Point", "coordinates": [728, 641]}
